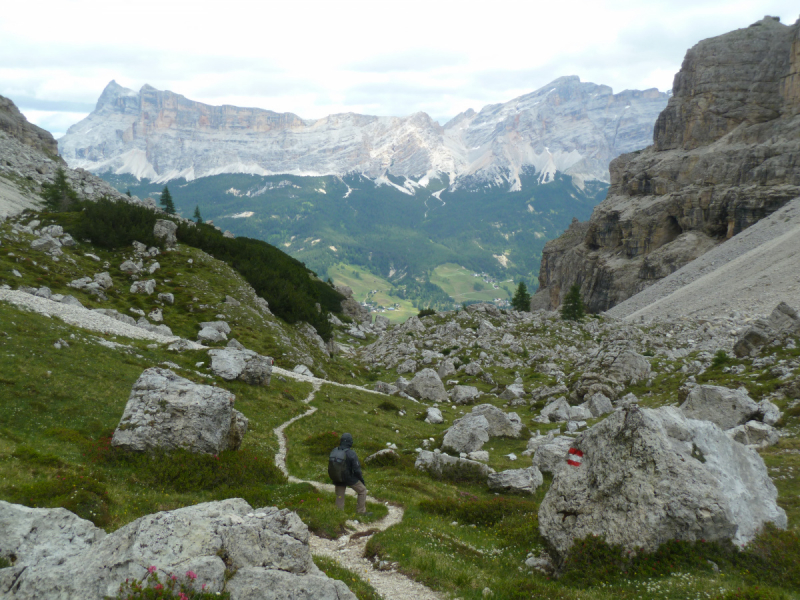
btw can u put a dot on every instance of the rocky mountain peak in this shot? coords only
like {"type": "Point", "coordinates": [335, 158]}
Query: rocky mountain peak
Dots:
{"type": "Point", "coordinates": [569, 126]}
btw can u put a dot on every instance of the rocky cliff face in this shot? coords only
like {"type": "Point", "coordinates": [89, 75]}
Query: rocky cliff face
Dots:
{"type": "Point", "coordinates": [28, 159]}
{"type": "Point", "coordinates": [566, 126]}
{"type": "Point", "coordinates": [726, 153]}
{"type": "Point", "coordinates": [16, 125]}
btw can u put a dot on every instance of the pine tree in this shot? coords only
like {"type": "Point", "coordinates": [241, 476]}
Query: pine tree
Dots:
{"type": "Point", "coordinates": [572, 308]}
{"type": "Point", "coordinates": [59, 195]}
{"type": "Point", "coordinates": [522, 299]}
{"type": "Point", "coordinates": [128, 192]}
{"type": "Point", "coordinates": [166, 201]}
{"type": "Point", "coordinates": [198, 219]}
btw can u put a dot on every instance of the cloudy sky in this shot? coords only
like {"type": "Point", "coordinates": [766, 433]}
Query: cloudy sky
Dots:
{"type": "Point", "coordinates": [376, 57]}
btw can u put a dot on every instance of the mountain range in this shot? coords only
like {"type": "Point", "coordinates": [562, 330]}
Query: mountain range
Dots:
{"type": "Point", "coordinates": [570, 126]}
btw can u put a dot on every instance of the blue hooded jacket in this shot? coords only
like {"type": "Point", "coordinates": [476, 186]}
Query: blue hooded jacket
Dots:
{"type": "Point", "coordinates": [353, 474]}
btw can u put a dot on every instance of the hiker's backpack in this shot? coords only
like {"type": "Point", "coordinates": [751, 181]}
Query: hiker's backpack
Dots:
{"type": "Point", "coordinates": [337, 466]}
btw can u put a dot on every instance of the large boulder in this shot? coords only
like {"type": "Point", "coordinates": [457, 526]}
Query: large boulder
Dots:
{"type": "Point", "coordinates": [426, 385]}
{"type": "Point", "coordinates": [144, 286]}
{"type": "Point", "coordinates": [643, 476]}
{"type": "Point", "coordinates": [434, 416]}
{"type": "Point", "coordinates": [598, 405]}
{"type": "Point", "coordinates": [439, 464]}
{"type": "Point", "coordinates": [783, 319]}
{"type": "Point", "coordinates": [501, 424]}
{"type": "Point", "coordinates": [165, 230]}
{"type": "Point", "coordinates": [169, 412]}
{"type": "Point", "coordinates": [351, 307]}
{"type": "Point", "coordinates": [556, 412]}
{"type": "Point", "coordinates": [464, 394]}
{"type": "Point", "coordinates": [515, 391]}
{"type": "Point", "coordinates": [232, 363]}
{"type": "Point", "coordinates": [723, 406]}
{"type": "Point", "coordinates": [447, 368]}
{"type": "Point", "coordinates": [523, 481]}
{"type": "Point", "coordinates": [467, 434]}
{"type": "Point", "coordinates": [264, 549]}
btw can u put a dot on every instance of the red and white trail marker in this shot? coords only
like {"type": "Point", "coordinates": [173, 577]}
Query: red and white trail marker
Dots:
{"type": "Point", "coordinates": [574, 457]}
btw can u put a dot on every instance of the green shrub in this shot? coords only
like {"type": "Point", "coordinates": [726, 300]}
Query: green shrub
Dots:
{"type": "Point", "coordinates": [4, 562]}
{"type": "Point", "coordinates": [721, 358]}
{"type": "Point", "coordinates": [321, 444]}
{"type": "Point", "coordinates": [31, 456]}
{"type": "Point", "coordinates": [81, 494]}
{"type": "Point", "coordinates": [112, 224]}
{"type": "Point", "coordinates": [471, 510]}
{"type": "Point", "coordinates": [426, 312]}
{"type": "Point", "coordinates": [388, 406]}
{"type": "Point", "coordinates": [184, 471]}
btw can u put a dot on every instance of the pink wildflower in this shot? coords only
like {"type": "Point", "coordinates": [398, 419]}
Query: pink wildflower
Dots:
{"type": "Point", "coordinates": [159, 587]}
{"type": "Point", "coordinates": [183, 596]}
{"type": "Point", "coordinates": [151, 569]}
{"type": "Point", "coordinates": [191, 575]}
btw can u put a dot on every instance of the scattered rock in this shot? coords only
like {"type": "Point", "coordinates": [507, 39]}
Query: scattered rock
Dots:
{"type": "Point", "coordinates": [467, 434]}
{"type": "Point", "coordinates": [523, 481]}
{"type": "Point", "coordinates": [144, 287]}
{"type": "Point", "coordinates": [725, 407]}
{"type": "Point", "coordinates": [434, 416]}
{"type": "Point", "coordinates": [303, 370]}
{"type": "Point", "coordinates": [439, 464]}
{"type": "Point", "coordinates": [464, 394]}
{"type": "Point", "coordinates": [501, 424]}
{"type": "Point", "coordinates": [426, 385]}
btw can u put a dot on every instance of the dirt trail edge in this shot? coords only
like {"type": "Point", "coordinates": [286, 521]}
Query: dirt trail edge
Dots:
{"type": "Point", "coordinates": [348, 550]}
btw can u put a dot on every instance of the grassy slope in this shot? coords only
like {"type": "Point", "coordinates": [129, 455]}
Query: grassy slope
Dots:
{"type": "Point", "coordinates": [59, 406]}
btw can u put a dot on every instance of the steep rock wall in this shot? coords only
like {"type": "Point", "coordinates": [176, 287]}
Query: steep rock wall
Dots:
{"type": "Point", "coordinates": [726, 154]}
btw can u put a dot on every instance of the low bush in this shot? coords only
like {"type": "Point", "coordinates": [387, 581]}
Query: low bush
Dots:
{"type": "Point", "coordinates": [474, 511]}
{"type": "Point", "coordinates": [81, 494]}
{"type": "Point", "coordinates": [426, 312]}
{"type": "Point", "coordinates": [31, 456]}
{"type": "Point", "coordinates": [388, 406]}
{"type": "Point", "coordinates": [321, 444]}
{"type": "Point", "coordinates": [770, 559]}
{"type": "Point", "coordinates": [184, 471]}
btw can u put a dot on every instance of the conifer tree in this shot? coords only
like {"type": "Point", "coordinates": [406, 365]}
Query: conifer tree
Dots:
{"type": "Point", "coordinates": [166, 201]}
{"type": "Point", "coordinates": [572, 308]}
{"type": "Point", "coordinates": [198, 219]}
{"type": "Point", "coordinates": [59, 195]}
{"type": "Point", "coordinates": [128, 192]}
{"type": "Point", "coordinates": [522, 299]}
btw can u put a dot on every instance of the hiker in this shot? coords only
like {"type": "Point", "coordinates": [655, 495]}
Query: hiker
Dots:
{"type": "Point", "coordinates": [345, 471]}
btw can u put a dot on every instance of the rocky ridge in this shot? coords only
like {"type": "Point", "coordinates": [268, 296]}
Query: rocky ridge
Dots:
{"type": "Point", "coordinates": [28, 159]}
{"type": "Point", "coordinates": [567, 125]}
{"type": "Point", "coordinates": [724, 155]}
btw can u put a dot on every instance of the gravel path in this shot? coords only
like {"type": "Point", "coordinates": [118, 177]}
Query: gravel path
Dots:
{"type": "Point", "coordinates": [750, 273]}
{"type": "Point", "coordinates": [81, 317]}
{"type": "Point", "coordinates": [348, 550]}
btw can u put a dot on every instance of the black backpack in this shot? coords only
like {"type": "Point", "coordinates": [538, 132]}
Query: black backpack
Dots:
{"type": "Point", "coordinates": [337, 466]}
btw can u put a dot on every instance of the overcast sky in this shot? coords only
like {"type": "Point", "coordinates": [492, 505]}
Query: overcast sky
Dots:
{"type": "Point", "coordinates": [376, 57]}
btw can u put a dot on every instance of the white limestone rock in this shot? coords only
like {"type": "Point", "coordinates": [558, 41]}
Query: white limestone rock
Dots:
{"type": "Point", "coordinates": [723, 406]}
{"type": "Point", "coordinates": [169, 412]}
{"type": "Point", "coordinates": [426, 385]}
{"type": "Point", "coordinates": [646, 476]}
{"type": "Point", "coordinates": [467, 434]}
{"type": "Point", "coordinates": [523, 481]}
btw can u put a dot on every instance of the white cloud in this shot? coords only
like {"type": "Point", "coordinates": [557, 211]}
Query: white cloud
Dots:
{"type": "Point", "coordinates": [317, 58]}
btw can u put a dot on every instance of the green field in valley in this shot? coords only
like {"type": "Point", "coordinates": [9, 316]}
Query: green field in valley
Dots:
{"type": "Point", "coordinates": [367, 286]}
{"type": "Point", "coordinates": [463, 286]}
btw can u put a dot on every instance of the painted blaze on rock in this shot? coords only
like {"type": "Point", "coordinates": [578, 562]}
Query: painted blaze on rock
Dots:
{"type": "Point", "coordinates": [643, 477]}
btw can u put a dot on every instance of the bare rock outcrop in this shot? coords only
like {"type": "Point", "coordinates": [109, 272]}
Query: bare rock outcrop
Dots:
{"type": "Point", "coordinates": [265, 548]}
{"type": "Point", "coordinates": [642, 477]}
{"type": "Point", "coordinates": [726, 154]}
{"type": "Point", "coordinates": [17, 126]}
